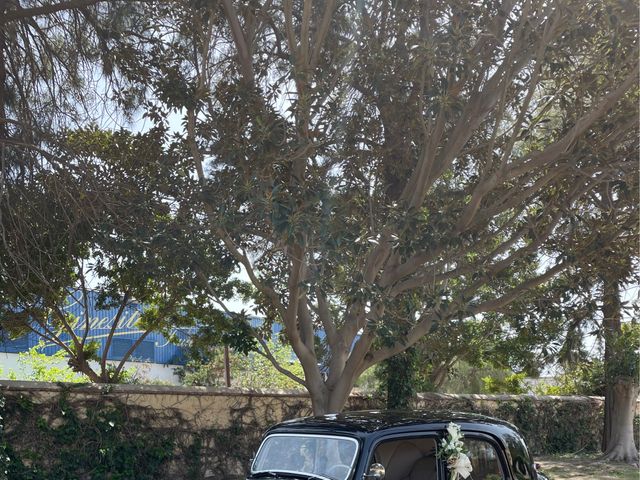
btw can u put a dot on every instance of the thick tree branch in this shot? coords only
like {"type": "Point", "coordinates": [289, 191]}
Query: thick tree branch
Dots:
{"type": "Point", "coordinates": [562, 146]}
{"type": "Point", "coordinates": [266, 353]}
{"type": "Point", "coordinates": [321, 34]}
{"type": "Point", "coordinates": [497, 303]}
{"type": "Point", "coordinates": [125, 357]}
{"type": "Point", "coordinates": [244, 53]}
{"type": "Point", "coordinates": [112, 331]}
{"type": "Point", "coordinates": [19, 12]}
{"type": "Point", "coordinates": [325, 317]}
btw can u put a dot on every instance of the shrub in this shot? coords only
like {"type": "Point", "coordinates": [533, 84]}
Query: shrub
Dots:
{"type": "Point", "coordinates": [512, 384]}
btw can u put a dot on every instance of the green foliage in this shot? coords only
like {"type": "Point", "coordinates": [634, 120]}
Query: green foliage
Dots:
{"type": "Point", "coordinates": [250, 370]}
{"type": "Point", "coordinates": [40, 367]}
{"type": "Point", "coordinates": [581, 379]}
{"type": "Point", "coordinates": [467, 378]}
{"type": "Point", "coordinates": [369, 381]}
{"type": "Point", "coordinates": [399, 379]}
{"type": "Point", "coordinates": [125, 241]}
{"type": "Point", "coordinates": [255, 371]}
{"type": "Point", "coordinates": [551, 427]}
{"type": "Point", "coordinates": [626, 361]}
{"type": "Point", "coordinates": [202, 373]}
{"type": "Point", "coordinates": [104, 443]}
{"type": "Point", "coordinates": [511, 384]}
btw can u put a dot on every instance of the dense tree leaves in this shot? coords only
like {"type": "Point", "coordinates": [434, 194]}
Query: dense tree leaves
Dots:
{"type": "Point", "coordinates": [385, 170]}
{"type": "Point", "coordinates": [107, 220]}
{"type": "Point", "coordinates": [380, 168]}
{"type": "Point", "coordinates": [590, 303]}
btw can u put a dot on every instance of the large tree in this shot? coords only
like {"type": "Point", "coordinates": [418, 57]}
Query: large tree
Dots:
{"type": "Point", "coordinates": [87, 213]}
{"type": "Point", "coordinates": [100, 226]}
{"type": "Point", "coordinates": [593, 304]}
{"type": "Point", "coordinates": [380, 168]}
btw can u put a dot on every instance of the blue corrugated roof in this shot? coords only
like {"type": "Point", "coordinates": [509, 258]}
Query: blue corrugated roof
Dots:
{"type": "Point", "coordinates": [154, 348]}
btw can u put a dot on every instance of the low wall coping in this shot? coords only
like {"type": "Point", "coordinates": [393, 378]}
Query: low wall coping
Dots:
{"type": "Point", "coordinates": [506, 397]}
{"type": "Point", "coordinates": [128, 389]}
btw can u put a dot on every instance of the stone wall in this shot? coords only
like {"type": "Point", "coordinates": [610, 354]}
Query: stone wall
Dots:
{"type": "Point", "coordinates": [212, 432]}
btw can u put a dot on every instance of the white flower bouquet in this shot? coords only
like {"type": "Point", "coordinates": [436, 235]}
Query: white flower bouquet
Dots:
{"type": "Point", "coordinates": [452, 450]}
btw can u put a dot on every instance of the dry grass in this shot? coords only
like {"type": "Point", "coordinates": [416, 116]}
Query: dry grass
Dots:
{"type": "Point", "coordinates": [586, 468]}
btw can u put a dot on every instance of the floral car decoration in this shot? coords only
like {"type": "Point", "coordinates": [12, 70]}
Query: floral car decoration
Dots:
{"type": "Point", "coordinates": [454, 453]}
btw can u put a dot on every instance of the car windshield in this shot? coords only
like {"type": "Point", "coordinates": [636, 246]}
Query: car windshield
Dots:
{"type": "Point", "coordinates": [321, 456]}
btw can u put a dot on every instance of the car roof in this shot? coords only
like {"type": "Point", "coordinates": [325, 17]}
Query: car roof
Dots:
{"type": "Point", "coordinates": [380, 420]}
{"type": "Point", "coordinates": [373, 425]}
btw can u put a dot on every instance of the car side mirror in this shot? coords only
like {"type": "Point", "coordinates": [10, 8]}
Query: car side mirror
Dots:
{"type": "Point", "coordinates": [376, 472]}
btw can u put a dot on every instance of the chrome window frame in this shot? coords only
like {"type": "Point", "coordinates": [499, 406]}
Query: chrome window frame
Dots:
{"type": "Point", "coordinates": [307, 435]}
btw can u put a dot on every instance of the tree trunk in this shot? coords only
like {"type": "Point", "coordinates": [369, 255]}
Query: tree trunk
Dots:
{"type": "Point", "coordinates": [330, 400]}
{"type": "Point", "coordinates": [611, 313]}
{"type": "Point", "coordinates": [81, 365]}
{"type": "Point", "coordinates": [439, 375]}
{"type": "Point", "coordinates": [621, 446]}
{"type": "Point", "coordinates": [621, 394]}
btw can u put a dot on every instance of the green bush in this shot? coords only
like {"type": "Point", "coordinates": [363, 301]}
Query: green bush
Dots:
{"type": "Point", "coordinates": [247, 371]}
{"type": "Point", "coordinates": [549, 426]}
{"type": "Point", "coordinates": [255, 371]}
{"type": "Point", "coordinates": [585, 378]}
{"type": "Point", "coordinates": [626, 361]}
{"type": "Point", "coordinates": [555, 426]}
{"type": "Point", "coordinates": [40, 367]}
{"type": "Point", "coordinates": [512, 384]}
{"type": "Point", "coordinates": [52, 442]}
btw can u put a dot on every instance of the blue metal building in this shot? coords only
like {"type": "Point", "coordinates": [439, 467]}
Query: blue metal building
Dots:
{"type": "Point", "coordinates": [155, 348]}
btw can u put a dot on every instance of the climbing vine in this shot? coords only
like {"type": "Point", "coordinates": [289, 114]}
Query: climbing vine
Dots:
{"type": "Point", "coordinates": [58, 440]}
{"type": "Point", "coordinates": [4, 458]}
{"type": "Point", "coordinates": [70, 437]}
{"type": "Point", "coordinates": [100, 436]}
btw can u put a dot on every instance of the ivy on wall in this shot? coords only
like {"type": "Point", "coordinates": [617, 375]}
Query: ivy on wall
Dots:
{"type": "Point", "coordinates": [103, 438]}
{"type": "Point", "coordinates": [59, 441]}
{"type": "Point", "coordinates": [550, 426]}
{"type": "Point", "coordinates": [4, 458]}
{"type": "Point", "coordinates": [100, 437]}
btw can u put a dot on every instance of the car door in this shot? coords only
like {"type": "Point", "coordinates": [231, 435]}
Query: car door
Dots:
{"type": "Point", "coordinates": [487, 457]}
{"type": "Point", "coordinates": [415, 457]}
{"type": "Point", "coordinates": [408, 456]}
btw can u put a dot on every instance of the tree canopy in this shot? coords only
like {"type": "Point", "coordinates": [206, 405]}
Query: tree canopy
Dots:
{"type": "Point", "coordinates": [382, 169]}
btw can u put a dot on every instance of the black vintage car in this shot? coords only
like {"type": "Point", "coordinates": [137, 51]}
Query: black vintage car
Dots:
{"type": "Point", "coordinates": [391, 445]}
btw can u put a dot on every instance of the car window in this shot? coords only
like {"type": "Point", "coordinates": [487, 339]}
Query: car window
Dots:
{"type": "Point", "coordinates": [327, 457]}
{"type": "Point", "coordinates": [484, 460]}
{"type": "Point", "coordinates": [408, 458]}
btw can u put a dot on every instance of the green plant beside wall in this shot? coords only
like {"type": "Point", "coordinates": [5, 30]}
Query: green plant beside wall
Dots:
{"type": "Point", "coordinates": [512, 384]}
{"type": "Point", "coordinates": [585, 378]}
{"type": "Point", "coordinates": [399, 379]}
{"type": "Point", "coordinates": [53, 441]}
{"type": "Point", "coordinates": [250, 370]}
{"type": "Point", "coordinates": [40, 367]}
{"type": "Point", "coordinates": [4, 458]}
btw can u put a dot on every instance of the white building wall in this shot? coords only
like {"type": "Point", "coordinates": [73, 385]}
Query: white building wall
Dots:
{"type": "Point", "coordinates": [146, 372]}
